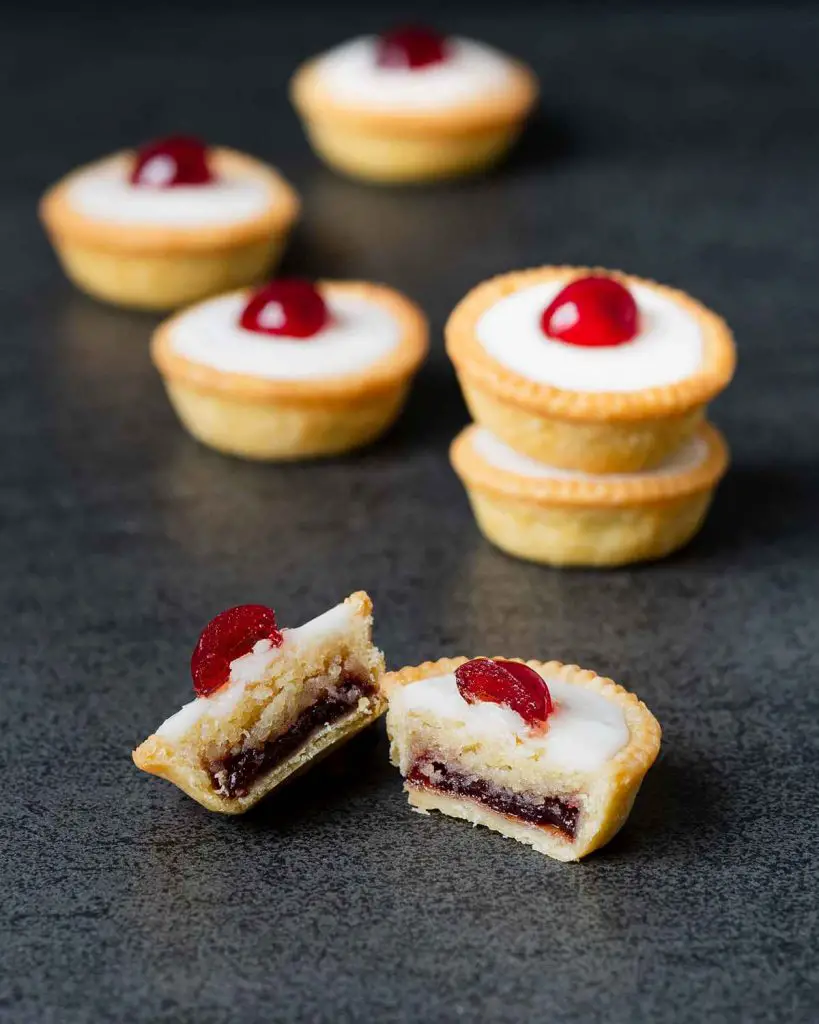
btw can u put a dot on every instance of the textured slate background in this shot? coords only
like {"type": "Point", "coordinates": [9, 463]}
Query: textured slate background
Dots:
{"type": "Point", "coordinates": [678, 144]}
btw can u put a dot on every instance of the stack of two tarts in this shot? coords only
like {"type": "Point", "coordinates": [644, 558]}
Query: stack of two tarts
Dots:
{"type": "Point", "coordinates": [589, 390]}
{"type": "Point", "coordinates": [548, 754]}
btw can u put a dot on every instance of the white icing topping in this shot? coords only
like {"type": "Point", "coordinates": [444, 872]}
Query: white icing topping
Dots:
{"type": "Point", "coordinates": [584, 731]}
{"type": "Point", "coordinates": [359, 334]}
{"type": "Point", "coordinates": [103, 192]}
{"type": "Point", "coordinates": [254, 667]}
{"type": "Point", "coordinates": [498, 454]}
{"type": "Point", "coordinates": [471, 71]}
{"type": "Point", "coordinates": [668, 348]}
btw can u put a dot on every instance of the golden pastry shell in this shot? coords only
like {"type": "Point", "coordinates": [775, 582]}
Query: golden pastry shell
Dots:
{"type": "Point", "coordinates": [473, 361]}
{"type": "Point", "coordinates": [63, 219]}
{"type": "Point", "coordinates": [382, 375]}
{"type": "Point", "coordinates": [591, 490]}
{"type": "Point", "coordinates": [315, 101]}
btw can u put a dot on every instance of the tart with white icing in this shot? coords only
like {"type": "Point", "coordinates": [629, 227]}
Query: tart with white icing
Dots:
{"type": "Point", "coordinates": [294, 369]}
{"type": "Point", "coordinates": [169, 223]}
{"type": "Point", "coordinates": [564, 517]}
{"type": "Point", "coordinates": [589, 370]}
{"type": "Point", "coordinates": [269, 703]}
{"type": "Point", "coordinates": [548, 754]}
{"type": "Point", "coordinates": [411, 105]}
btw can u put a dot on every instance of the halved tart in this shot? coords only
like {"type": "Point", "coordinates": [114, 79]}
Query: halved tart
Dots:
{"type": "Point", "coordinates": [548, 754]}
{"type": "Point", "coordinates": [271, 702]}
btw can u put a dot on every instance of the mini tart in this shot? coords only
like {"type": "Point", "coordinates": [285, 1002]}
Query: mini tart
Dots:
{"type": "Point", "coordinates": [560, 517]}
{"type": "Point", "coordinates": [400, 144]}
{"type": "Point", "coordinates": [281, 710]}
{"type": "Point", "coordinates": [269, 418]}
{"type": "Point", "coordinates": [154, 265]}
{"type": "Point", "coordinates": [489, 771]}
{"type": "Point", "coordinates": [592, 431]}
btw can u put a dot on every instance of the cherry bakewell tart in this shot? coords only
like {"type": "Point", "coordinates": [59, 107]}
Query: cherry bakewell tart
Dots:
{"type": "Point", "coordinates": [169, 223]}
{"type": "Point", "coordinates": [565, 517]}
{"type": "Point", "coordinates": [269, 702]}
{"type": "Point", "coordinates": [589, 370]}
{"type": "Point", "coordinates": [412, 105]}
{"type": "Point", "coordinates": [294, 369]}
{"type": "Point", "coordinates": [549, 754]}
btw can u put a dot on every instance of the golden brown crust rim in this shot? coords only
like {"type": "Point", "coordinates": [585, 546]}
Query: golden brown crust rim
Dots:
{"type": "Point", "coordinates": [638, 489]}
{"type": "Point", "coordinates": [62, 220]}
{"type": "Point", "coordinates": [628, 765]}
{"type": "Point", "coordinates": [389, 372]}
{"type": "Point", "coordinates": [315, 102]}
{"type": "Point", "coordinates": [475, 364]}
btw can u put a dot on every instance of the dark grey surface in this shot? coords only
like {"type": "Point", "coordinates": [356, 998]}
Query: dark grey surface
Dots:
{"type": "Point", "coordinates": [681, 146]}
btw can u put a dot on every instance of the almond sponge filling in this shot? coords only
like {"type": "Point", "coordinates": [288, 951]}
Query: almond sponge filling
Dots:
{"type": "Point", "coordinates": [233, 775]}
{"type": "Point", "coordinates": [553, 812]}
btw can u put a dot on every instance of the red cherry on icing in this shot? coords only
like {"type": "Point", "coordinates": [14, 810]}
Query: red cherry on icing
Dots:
{"type": "Point", "coordinates": [412, 47]}
{"type": "Point", "coordinates": [592, 311]}
{"type": "Point", "coordinates": [288, 307]}
{"type": "Point", "coordinates": [177, 160]}
{"type": "Point", "coordinates": [506, 682]}
{"type": "Point", "coordinates": [227, 637]}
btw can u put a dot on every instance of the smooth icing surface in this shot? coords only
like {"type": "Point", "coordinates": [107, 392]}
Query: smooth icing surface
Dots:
{"type": "Point", "coordinates": [585, 730]}
{"type": "Point", "coordinates": [359, 334]}
{"type": "Point", "coordinates": [104, 193]}
{"type": "Point", "coordinates": [668, 348]}
{"type": "Point", "coordinates": [254, 667]}
{"type": "Point", "coordinates": [498, 454]}
{"type": "Point", "coordinates": [471, 70]}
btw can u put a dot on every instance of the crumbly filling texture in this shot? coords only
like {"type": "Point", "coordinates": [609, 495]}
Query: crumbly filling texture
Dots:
{"type": "Point", "coordinates": [270, 704]}
{"type": "Point", "coordinates": [233, 774]}
{"type": "Point", "coordinates": [560, 812]}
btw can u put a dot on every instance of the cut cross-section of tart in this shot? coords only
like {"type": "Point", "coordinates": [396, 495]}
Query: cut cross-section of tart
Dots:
{"type": "Point", "coordinates": [270, 702]}
{"type": "Point", "coordinates": [549, 754]}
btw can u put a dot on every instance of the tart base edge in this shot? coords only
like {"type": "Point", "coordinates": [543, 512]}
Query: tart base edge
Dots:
{"type": "Point", "coordinates": [591, 537]}
{"type": "Point", "coordinates": [155, 757]}
{"type": "Point", "coordinates": [162, 282]}
{"type": "Point", "coordinates": [283, 430]}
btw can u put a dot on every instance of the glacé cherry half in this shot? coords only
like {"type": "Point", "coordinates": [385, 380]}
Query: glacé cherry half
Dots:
{"type": "Point", "coordinates": [288, 307]}
{"type": "Point", "coordinates": [593, 311]}
{"type": "Point", "coordinates": [170, 162]}
{"type": "Point", "coordinates": [232, 634]}
{"type": "Point", "coordinates": [510, 683]}
{"type": "Point", "coordinates": [410, 47]}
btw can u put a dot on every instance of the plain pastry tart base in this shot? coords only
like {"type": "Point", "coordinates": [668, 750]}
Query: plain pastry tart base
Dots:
{"type": "Point", "coordinates": [284, 419]}
{"type": "Point", "coordinates": [479, 777]}
{"type": "Point", "coordinates": [158, 266]}
{"type": "Point", "coordinates": [574, 519]}
{"type": "Point", "coordinates": [594, 432]}
{"type": "Point", "coordinates": [405, 145]}
{"type": "Point", "coordinates": [280, 712]}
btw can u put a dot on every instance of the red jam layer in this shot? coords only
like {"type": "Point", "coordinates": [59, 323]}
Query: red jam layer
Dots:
{"type": "Point", "coordinates": [232, 776]}
{"type": "Point", "coordinates": [544, 811]}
